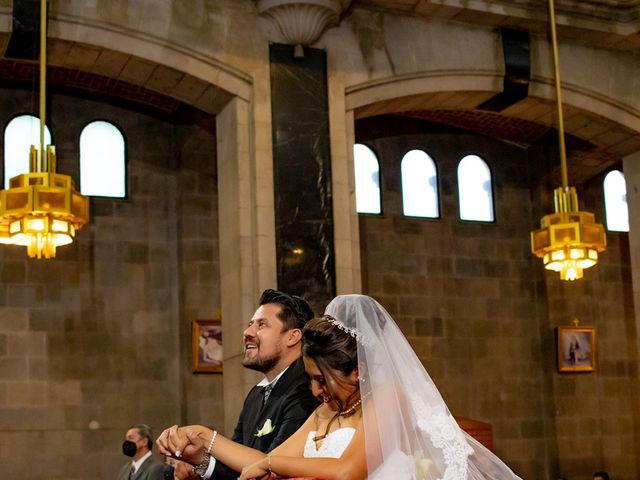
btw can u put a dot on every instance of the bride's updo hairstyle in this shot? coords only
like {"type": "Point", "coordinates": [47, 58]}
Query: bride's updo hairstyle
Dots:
{"type": "Point", "coordinates": [331, 348]}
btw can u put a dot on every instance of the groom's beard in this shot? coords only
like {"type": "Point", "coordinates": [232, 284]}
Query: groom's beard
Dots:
{"type": "Point", "coordinates": [260, 363]}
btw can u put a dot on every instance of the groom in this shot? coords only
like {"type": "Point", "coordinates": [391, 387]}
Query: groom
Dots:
{"type": "Point", "coordinates": [280, 403]}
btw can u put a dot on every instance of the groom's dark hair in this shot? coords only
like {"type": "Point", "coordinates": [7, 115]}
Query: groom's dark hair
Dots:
{"type": "Point", "coordinates": [296, 311]}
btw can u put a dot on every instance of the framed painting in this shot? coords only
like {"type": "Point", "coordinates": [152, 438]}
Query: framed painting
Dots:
{"type": "Point", "coordinates": [576, 349]}
{"type": "Point", "coordinates": [206, 346]}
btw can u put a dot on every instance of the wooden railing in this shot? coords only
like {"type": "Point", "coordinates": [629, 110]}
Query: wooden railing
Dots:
{"type": "Point", "coordinates": [481, 431]}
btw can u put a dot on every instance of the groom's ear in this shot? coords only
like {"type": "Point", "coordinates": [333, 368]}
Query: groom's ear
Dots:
{"type": "Point", "coordinates": [294, 336]}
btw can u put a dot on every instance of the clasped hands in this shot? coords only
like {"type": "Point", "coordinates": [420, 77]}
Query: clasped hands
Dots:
{"type": "Point", "coordinates": [187, 444]}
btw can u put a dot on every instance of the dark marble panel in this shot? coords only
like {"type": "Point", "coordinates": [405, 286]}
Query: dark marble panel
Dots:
{"type": "Point", "coordinates": [302, 174]}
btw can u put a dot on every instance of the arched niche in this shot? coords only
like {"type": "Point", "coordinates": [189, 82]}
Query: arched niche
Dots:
{"type": "Point", "coordinates": [158, 71]}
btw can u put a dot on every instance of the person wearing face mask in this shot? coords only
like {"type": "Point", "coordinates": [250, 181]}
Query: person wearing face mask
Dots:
{"type": "Point", "coordinates": [137, 445]}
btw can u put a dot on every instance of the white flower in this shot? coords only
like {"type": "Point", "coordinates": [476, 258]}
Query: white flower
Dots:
{"type": "Point", "coordinates": [423, 467]}
{"type": "Point", "coordinates": [266, 429]}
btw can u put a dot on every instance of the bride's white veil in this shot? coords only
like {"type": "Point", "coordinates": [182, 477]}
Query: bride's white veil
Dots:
{"type": "Point", "coordinates": [410, 434]}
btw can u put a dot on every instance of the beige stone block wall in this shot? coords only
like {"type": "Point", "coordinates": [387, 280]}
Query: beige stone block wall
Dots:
{"type": "Point", "coordinates": [631, 168]}
{"type": "Point", "coordinates": [481, 313]}
{"type": "Point", "coordinates": [599, 410]}
{"type": "Point", "coordinates": [463, 292]}
{"type": "Point", "coordinates": [198, 268]}
{"type": "Point", "coordinates": [99, 338]}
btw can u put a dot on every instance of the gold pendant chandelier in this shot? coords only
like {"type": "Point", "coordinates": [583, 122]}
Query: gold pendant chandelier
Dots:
{"type": "Point", "coordinates": [41, 210]}
{"type": "Point", "coordinates": [569, 240]}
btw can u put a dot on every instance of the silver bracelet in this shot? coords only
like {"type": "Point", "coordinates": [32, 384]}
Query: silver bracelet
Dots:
{"type": "Point", "coordinates": [202, 467]}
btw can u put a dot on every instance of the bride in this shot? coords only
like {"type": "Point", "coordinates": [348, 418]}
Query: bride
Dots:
{"type": "Point", "coordinates": [381, 416]}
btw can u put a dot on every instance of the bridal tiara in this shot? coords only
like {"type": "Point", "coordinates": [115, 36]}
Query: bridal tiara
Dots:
{"type": "Point", "coordinates": [351, 331]}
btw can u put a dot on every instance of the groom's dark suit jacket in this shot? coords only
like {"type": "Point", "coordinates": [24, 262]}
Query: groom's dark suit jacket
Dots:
{"type": "Point", "coordinates": [289, 405]}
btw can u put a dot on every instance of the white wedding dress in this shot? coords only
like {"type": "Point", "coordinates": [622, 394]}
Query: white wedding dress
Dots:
{"type": "Point", "coordinates": [332, 445]}
{"type": "Point", "coordinates": [409, 432]}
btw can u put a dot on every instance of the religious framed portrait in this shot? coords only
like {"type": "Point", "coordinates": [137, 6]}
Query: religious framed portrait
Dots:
{"type": "Point", "coordinates": [576, 349]}
{"type": "Point", "coordinates": [206, 346]}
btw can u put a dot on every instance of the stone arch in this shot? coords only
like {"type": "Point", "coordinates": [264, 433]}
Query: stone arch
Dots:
{"type": "Point", "coordinates": [609, 126]}
{"type": "Point", "coordinates": [140, 60]}
{"type": "Point", "coordinates": [459, 90]}
{"type": "Point", "coordinates": [84, 47]}
{"type": "Point", "coordinates": [154, 49]}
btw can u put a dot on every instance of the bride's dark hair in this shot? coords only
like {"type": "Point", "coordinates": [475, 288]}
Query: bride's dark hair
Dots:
{"type": "Point", "coordinates": [332, 349]}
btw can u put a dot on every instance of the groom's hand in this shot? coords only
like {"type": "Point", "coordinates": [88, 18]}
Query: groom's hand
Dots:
{"type": "Point", "coordinates": [184, 471]}
{"type": "Point", "coordinates": [184, 443]}
{"type": "Point", "coordinates": [192, 443]}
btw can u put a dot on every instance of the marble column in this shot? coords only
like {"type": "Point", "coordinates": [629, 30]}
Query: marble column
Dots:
{"type": "Point", "coordinates": [302, 173]}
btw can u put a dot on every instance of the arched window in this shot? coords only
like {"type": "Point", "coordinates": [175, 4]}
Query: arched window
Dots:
{"type": "Point", "coordinates": [419, 185]}
{"type": "Point", "coordinates": [19, 134]}
{"type": "Point", "coordinates": [615, 202]}
{"type": "Point", "coordinates": [475, 192]}
{"type": "Point", "coordinates": [102, 160]}
{"type": "Point", "coordinates": [367, 170]}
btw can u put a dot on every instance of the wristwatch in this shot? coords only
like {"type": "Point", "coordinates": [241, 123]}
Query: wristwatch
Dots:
{"type": "Point", "coordinates": [201, 468]}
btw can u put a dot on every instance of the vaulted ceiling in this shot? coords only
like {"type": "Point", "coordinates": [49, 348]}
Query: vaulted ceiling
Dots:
{"type": "Point", "coordinates": [596, 143]}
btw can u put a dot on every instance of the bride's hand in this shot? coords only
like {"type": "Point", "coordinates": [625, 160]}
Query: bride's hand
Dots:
{"type": "Point", "coordinates": [258, 470]}
{"type": "Point", "coordinates": [185, 443]}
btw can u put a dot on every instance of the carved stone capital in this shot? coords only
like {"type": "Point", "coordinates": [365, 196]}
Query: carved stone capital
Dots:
{"type": "Point", "coordinates": [302, 22]}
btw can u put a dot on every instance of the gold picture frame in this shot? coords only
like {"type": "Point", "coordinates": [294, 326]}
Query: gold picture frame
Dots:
{"type": "Point", "coordinates": [206, 346]}
{"type": "Point", "coordinates": [576, 349]}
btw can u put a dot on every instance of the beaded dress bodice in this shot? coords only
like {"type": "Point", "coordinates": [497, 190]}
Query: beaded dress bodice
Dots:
{"type": "Point", "coordinates": [333, 445]}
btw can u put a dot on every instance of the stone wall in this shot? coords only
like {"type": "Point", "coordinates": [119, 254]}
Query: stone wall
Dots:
{"type": "Point", "coordinates": [98, 338]}
{"type": "Point", "coordinates": [480, 312]}
{"type": "Point", "coordinates": [597, 414]}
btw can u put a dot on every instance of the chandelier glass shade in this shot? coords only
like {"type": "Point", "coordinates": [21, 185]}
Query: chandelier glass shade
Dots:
{"type": "Point", "coordinates": [41, 210]}
{"type": "Point", "coordinates": [568, 240]}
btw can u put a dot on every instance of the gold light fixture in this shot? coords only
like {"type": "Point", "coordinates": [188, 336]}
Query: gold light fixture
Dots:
{"type": "Point", "coordinates": [569, 240]}
{"type": "Point", "coordinates": [41, 210]}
